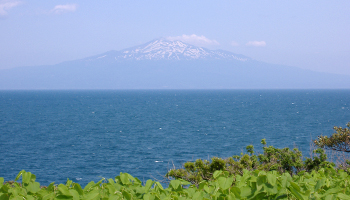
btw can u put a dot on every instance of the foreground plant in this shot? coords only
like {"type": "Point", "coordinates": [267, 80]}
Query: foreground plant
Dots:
{"type": "Point", "coordinates": [322, 184]}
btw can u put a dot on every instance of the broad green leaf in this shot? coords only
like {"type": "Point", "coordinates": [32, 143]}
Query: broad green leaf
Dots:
{"type": "Point", "coordinates": [206, 189]}
{"type": "Point", "coordinates": [49, 196]}
{"type": "Point", "coordinates": [246, 191]}
{"type": "Point", "coordinates": [343, 196]}
{"type": "Point", "coordinates": [333, 190]}
{"type": "Point", "coordinates": [92, 195]}
{"type": "Point", "coordinates": [175, 184]}
{"type": "Point", "coordinates": [148, 197]}
{"type": "Point", "coordinates": [32, 177]}
{"type": "Point", "coordinates": [284, 182]}
{"type": "Point", "coordinates": [78, 188]}
{"type": "Point", "coordinates": [51, 187]}
{"type": "Point", "coordinates": [16, 198]}
{"type": "Point", "coordinates": [217, 173]}
{"type": "Point", "coordinates": [190, 191]}
{"type": "Point", "coordinates": [236, 191]}
{"type": "Point", "coordinates": [89, 186]}
{"type": "Point", "coordinates": [271, 189]}
{"type": "Point", "coordinates": [138, 181]}
{"type": "Point", "coordinates": [69, 182]}
{"type": "Point", "coordinates": [26, 177]}
{"type": "Point", "coordinates": [111, 189]}
{"type": "Point", "coordinates": [330, 197]}
{"type": "Point", "coordinates": [3, 196]}
{"type": "Point", "coordinates": [260, 195]}
{"type": "Point", "coordinates": [135, 180]}
{"type": "Point", "coordinates": [74, 194]}
{"type": "Point", "coordinates": [262, 179]}
{"type": "Point", "coordinates": [253, 179]}
{"type": "Point", "coordinates": [225, 183]}
{"type": "Point", "coordinates": [33, 187]}
{"type": "Point", "coordinates": [111, 181]}
{"type": "Point", "coordinates": [114, 197]}
{"type": "Point", "coordinates": [159, 185]}
{"type": "Point", "coordinates": [197, 196]}
{"type": "Point", "coordinates": [271, 178]}
{"type": "Point", "coordinates": [319, 184]}
{"type": "Point", "coordinates": [140, 190]}
{"type": "Point", "coordinates": [5, 188]}
{"type": "Point", "coordinates": [125, 179]}
{"type": "Point", "coordinates": [295, 186]}
{"type": "Point", "coordinates": [202, 184]}
{"type": "Point", "coordinates": [63, 190]}
{"type": "Point", "coordinates": [98, 183]}
{"type": "Point", "coordinates": [183, 182]}
{"type": "Point", "coordinates": [14, 191]}
{"type": "Point", "coordinates": [148, 185]}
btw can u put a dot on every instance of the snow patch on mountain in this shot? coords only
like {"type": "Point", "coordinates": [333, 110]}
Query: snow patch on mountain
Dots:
{"type": "Point", "coordinates": [163, 49]}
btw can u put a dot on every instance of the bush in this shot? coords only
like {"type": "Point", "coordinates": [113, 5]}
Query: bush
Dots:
{"type": "Point", "coordinates": [272, 159]}
{"type": "Point", "coordinates": [339, 141]}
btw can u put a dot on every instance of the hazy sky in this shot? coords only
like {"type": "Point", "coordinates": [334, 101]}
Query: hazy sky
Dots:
{"type": "Point", "coordinates": [307, 34]}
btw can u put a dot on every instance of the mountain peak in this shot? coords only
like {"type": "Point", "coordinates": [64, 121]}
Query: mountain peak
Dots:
{"type": "Point", "coordinates": [163, 49]}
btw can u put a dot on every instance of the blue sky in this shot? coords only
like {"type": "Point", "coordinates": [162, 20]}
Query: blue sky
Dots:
{"type": "Point", "coordinates": [311, 34]}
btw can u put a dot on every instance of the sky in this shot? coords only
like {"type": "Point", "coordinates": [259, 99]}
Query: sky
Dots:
{"type": "Point", "coordinates": [312, 35]}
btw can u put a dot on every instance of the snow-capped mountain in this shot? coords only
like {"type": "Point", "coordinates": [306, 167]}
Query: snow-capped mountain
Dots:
{"type": "Point", "coordinates": [163, 49]}
{"type": "Point", "coordinates": [165, 64]}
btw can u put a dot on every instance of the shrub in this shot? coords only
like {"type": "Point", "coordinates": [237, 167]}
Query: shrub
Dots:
{"type": "Point", "coordinates": [272, 159]}
{"type": "Point", "coordinates": [339, 141]}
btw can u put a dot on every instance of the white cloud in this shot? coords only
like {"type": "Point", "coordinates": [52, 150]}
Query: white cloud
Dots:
{"type": "Point", "coordinates": [7, 5]}
{"type": "Point", "coordinates": [64, 8]}
{"type": "Point", "coordinates": [256, 43]}
{"type": "Point", "coordinates": [235, 44]}
{"type": "Point", "coordinates": [194, 39]}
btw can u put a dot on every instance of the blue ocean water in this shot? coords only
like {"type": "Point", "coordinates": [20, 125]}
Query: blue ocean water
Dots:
{"type": "Point", "coordinates": [86, 135]}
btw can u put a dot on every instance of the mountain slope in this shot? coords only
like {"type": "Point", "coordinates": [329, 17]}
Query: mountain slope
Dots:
{"type": "Point", "coordinates": [163, 64]}
{"type": "Point", "coordinates": [162, 49]}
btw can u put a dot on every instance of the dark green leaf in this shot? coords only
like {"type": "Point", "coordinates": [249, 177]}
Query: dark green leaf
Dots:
{"type": "Point", "coordinates": [296, 193]}
{"type": "Point", "coordinates": [78, 188]}
{"type": "Point", "coordinates": [127, 195]}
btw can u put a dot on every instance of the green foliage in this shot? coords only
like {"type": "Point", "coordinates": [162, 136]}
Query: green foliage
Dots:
{"type": "Point", "coordinates": [318, 162]}
{"type": "Point", "coordinates": [325, 183]}
{"type": "Point", "coordinates": [339, 141]}
{"type": "Point", "coordinates": [282, 160]}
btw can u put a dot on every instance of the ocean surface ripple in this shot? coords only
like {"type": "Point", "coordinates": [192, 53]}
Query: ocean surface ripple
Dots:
{"type": "Point", "coordinates": [86, 135]}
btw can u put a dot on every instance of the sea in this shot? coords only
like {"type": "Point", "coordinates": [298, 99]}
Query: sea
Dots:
{"type": "Point", "coordinates": [88, 135]}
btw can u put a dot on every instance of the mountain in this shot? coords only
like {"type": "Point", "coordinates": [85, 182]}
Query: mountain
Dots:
{"type": "Point", "coordinates": [165, 64]}
{"type": "Point", "coordinates": [162, 49]}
